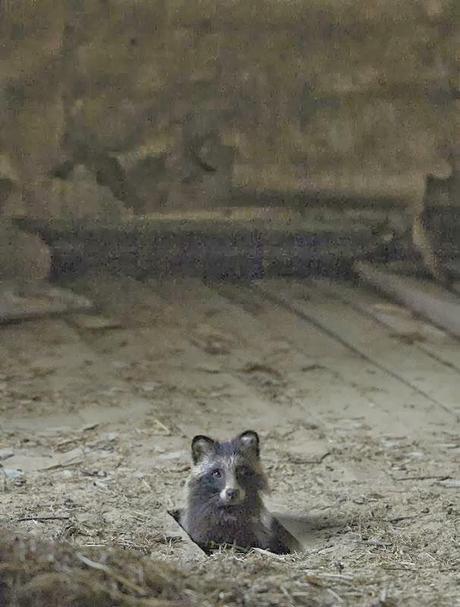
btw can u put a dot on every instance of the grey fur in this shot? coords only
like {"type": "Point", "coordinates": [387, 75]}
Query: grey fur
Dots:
{"type": "Point", "coordinates": [224, 497]}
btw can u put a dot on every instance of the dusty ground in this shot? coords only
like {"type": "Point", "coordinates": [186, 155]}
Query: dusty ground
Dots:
{"type": "Point", "coordinates": [356, 403]}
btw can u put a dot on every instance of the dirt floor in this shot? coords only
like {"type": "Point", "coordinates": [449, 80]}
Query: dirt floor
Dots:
{"type": "Point", "coordinates": [356, 402]}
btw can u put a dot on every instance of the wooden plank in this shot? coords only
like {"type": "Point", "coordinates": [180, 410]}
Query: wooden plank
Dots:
{"type": "Point", "coordinates": [187, 371]}
{"type": "Point", "coordinates": [400, 320]}
{"type": "Point", "coordinates": [58, 371]}
{"type": "Point", "coordinates": [414, 269]}
{"type": "Point", "coordinates": [314, 370]}
{"type": "Point", "coordinates": [25, 301]}
{"type": "Point", "coordinates": [255, 349]}
{"type": "Point", "coordinates": [251, 244]}
{"type": "Point", "coordinates": [427, 299]}
{"type": "Point", "coordinates": [286, 218]}
{"type": "Point", "coordinates": [188, 550]}
{"type": "Point", "coordinates": [383, 390]}
{"type": "Point", "coordinates": [370, 340]}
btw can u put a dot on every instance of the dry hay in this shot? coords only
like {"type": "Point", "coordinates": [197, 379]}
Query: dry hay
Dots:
{"type": "Point", "coordinates": [35, 573]}
{"type": "Point", "coordinates": [384, 567]}
{"type": "Point", "coordinates": [42, 574]}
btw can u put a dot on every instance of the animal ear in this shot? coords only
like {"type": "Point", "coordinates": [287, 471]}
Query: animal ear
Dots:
{"type": "Point", "coordinates": [201, 446]}
{"type": "Point", "coordinates": [250, 441]}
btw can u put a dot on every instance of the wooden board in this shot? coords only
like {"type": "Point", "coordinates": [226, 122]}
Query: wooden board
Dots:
{"type": "Point", "coordinates": [187, 366]}
{"type": "Point", "coordinates": [249, 243]}
{"type": "Point", "coordinates": [401, 321]}
{"type": "Point", "coordinates": [58, 368]}
{"type": "Point", "coordinates": [425, 298]}
{"type": "Point", "coordinates": [373, 343]}
{"type": "Point", "coordinates": [187, 548]}
{"type": "Point", "coordinates": [300, 364]}
{"type": "Point", "coordinates": [24, 301]}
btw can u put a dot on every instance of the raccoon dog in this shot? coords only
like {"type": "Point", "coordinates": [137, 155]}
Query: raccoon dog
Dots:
{"type": "Point", "coordinates": [224, 503]}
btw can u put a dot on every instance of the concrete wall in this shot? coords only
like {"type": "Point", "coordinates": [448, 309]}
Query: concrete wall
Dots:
{"type": "Point", "coordinates": [346, 95]}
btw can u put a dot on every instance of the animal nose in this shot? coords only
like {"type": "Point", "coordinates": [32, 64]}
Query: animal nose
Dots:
{"type": "Point", "coordinates": [232, 494]}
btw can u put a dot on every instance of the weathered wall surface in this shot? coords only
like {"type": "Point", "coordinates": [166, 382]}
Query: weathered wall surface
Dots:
{"type": "Point", "coordinates": [169, 102]}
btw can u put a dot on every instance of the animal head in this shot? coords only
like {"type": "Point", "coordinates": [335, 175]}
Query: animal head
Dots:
{"type": "Point", "coordinates": [228, 473]}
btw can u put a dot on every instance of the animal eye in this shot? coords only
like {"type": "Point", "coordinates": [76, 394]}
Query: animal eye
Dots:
{"type": "Point", "coordinates": [217, 473]}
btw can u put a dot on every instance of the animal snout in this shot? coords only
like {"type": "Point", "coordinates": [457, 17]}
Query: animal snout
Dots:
{"type": "Point", "coordinates": [232, 494]}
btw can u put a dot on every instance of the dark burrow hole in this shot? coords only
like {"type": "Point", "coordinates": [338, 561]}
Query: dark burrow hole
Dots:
{"type": "Point", "coordinates": [289, 524]}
